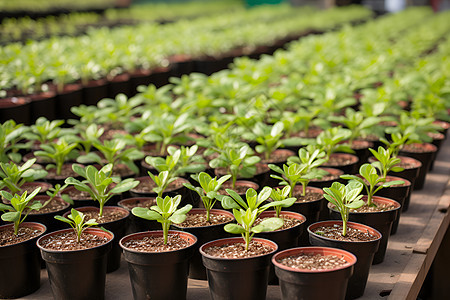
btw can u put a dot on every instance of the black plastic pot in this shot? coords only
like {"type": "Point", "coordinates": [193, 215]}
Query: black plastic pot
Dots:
{"type": "Point", "coordinates": [159, 275]}
{"type": "Point", "coordinates": [285, 238]}
{"type": "Point", "coordinates": [237, 278]}
{"type": "Point", "coordinates": [381, 221]}
{"type": "Point", "coordinates": [20, 265]}
{"type": "Point", "coordinates": [72, 95]}
{"type": "Point", "coordinates": [78, 274]}
{"type": "Point", "coordinates": [15, 108]}
{"type": "Point", "coordinates": [94, 91]}
{"type": "Point", "coordinates": [204, 234]}
{"type": "Point", "coordinates": [310, 210]}
{"type": "Point", "coordinates": [397, 193]}
{"type": "Point", "coordinates": [118, 228]}
{"type": "Point", "coordinates": [119, 85]}
{"type": "Point", "coordinates": [43, 105]}
{"type": "Point", "coordinates": [364, 252]}
{"type": "Point", "coordinates": [324, 182]}
{"type": "Point", "coordinates": [297, 284]}
{"type": "Point", "coordinates": [349, 168]}
{"type": "Point", "coordinates": [426, 158]}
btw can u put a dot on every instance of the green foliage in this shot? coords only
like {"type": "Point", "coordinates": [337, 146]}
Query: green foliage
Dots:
{"type": "Point", "coordinates": [246, 212]}
{"type": "Point", "coordinates": [165, 212]}
{"type": "Point", "coordinates": [100, 185]}
{"type": "Point", "coordinates": [19, 203]}
{"type": "Point", "coordinates": [371, 181]}
{"type": "Point", "coordinates": [11, 135]}
{"type": "Point", "coordinates": [344, 198]}
{"type": "Point", "coordinates": [162, 181]}
{"type": "Point", "coordinates": [57, 152]}
{"type": "Point", "coordinates": [386, 162]}
{"type": "Point", "coordinates": [279, 196]}
{"type": "Point", "coordinates": [208, 190]}
{"type": "Point", "coordinates": [14, 176]}
{"type": "Point", "coordinates": [268, 137]}
{"type": "Point", "coordinates": [76, 220]}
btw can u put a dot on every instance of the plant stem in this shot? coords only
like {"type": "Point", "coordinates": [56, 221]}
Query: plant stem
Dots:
{"type": "Point", "coordinates": [166, 226]}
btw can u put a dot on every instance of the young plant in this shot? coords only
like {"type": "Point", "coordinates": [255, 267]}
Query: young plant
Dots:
{"type": "Point", "coordinates": [76, 220]}
{"type": "Point", "coordinates": [165, 212]}
{"type": "Point", "coordinates": [44, 131]}
{"type": "Point", "coordinates": [10, 136]}
{"type": "Point", "coordinates": [100, 185]}
{"type": "Point", "coordinates": [162, 181]}
{"type": "Point", "coordinates": [386, 162]}
{"type": "Point", "coordinates": [114, 152]}
{"type": "Point", "coordinates": [330, 140]}
{"type": "Point", "coordinates": [290, 175]}
{"type": "Point", "coordinates": [279, 196]}
{"type": "Point", "coordinates": [57, 152]}
{"type": "Point", "coordinates": [13, 176]}
{"type": "Point", "coordinates": [88, 136]}
{"type": "Point", "coordinates": [237, 161]}
{"type": "Point", "coordinates": [371, 181]}
{"type": "Point", "coordinates": [344, 198]}
{"type": "Point", "coordinates": [268, 137]}
{"type": "Point", "coordinates": [246, 212]}
{"type": "Point", "coordinates": [208, 190]}
{"type": "Point", "coordinates": [19, 203]}
{"type": "Point", "coordinates": [55, 192]}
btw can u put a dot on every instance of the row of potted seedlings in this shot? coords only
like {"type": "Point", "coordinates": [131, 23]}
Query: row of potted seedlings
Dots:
{"type": "Point", "coordinates": [228, 150]}
{"type": "Point", "coordinates": [38, 81]}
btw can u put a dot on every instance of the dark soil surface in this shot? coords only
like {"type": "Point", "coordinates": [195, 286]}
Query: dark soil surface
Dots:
{"type": "Point", "coordinates": [310, 261]}
{"type": "Point", "coordinates": [329, 176]}
{"type": "Point", "coordinates": [406, 165]}
{"type": "Point", "coordinates": [353, 235]}
{"type": "Point", "coordinates": [237, 250]}
{"type": "Point", "coordinates": [146, 186]}
{"type": "Point", "coordinates": [68, 241]}
{"type": "Point", "coordinates": [288, 222]}
{"type": "Point", "coordinates": [156, 244]}
{"type": "Point", "coordinates": [360, 144]}
{"type": "Point", "coordinates": [240, 189]}
{"type": "Point", "coordinates": [276, 157]}
{"type": "Point", "coordinates": [380, 207]}
{"type": "Point", "coordinates": [65, 172]}
{"type": "Point", "coordinates": [138, 203]}
{"type": "Point", "coordinates": [308, 197]}
{"type": "Point", "coordinates": [339, 161]}
{"type": "Point", "coordinates": [7, 236]}
{"type": "Point", "coordinates": [199, 220]}
{"type": "Point", "coordinates": [56, 204]}
{"type": "Point", "coordinates": [75, 194]}
{"type": "Point", "coordinates": [109, 215]}
{"type": "Point", "coordinates": [418, 148]}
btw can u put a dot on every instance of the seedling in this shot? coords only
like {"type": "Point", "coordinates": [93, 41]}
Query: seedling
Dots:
{"type": "Point", "coordinates": [56, 191]}
{"type": "Point", "coordinates": [98, 183]}
{"type": "Point", "coordinates": [344, 198]}
{"type": "Point", "coordinates": [19, 203]}
{"type": "Point", "coordinates": [76, 220]}
{"type": "Point", "coordinates": [165, 212]}
{"type": "Point", "coordinates": [208, 190]}
{"type": "Point", "coordinates": [386, 162]}
{"type": "Point", "coordinates": [57, 152]}
{"type": "Point", "coordinates": [279, 196]}
{"type": "Point", "coordinates": [162, 181]}
{"type": "Point", "coordinates": [371, 181]}
{"type": "Point", "coordinates": [246, 212]}
{"type": "Point", "coordinates": [13, 176]}
{"type": "Point", "coordinates": [268, 138]}
{"type": "Point", "coordinates": [10, 136]}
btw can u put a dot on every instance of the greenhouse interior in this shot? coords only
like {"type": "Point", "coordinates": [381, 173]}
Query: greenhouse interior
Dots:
{"type": "Point", "coordinates": [224, 149]}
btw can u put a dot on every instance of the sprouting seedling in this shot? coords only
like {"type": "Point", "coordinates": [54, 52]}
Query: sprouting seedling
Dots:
{"type": "Point", "coordinates": [279, 196]}
{"type": "Point", "coordinates": [19, 203]}
{"type": "Point", "coordinates": [98, 183]}
{"type": "Point", "coordinates": [165, 212]}
{"type": "Point", "coordinates": [385, 161]}
{"type": "Point", "coordinates": [268, 137]}
{"type": "Point", "coordinates": [57, 152]}
{"type": "Point", "coordinates": [246, 212]}
{"type": "Point", "coordinates": [290, 175]}
{"type": "Point", "coordinates": [76, 220]}
{"type": "Point", "coordinates": [55, 192]}
{"type": "Point", "coordinates": [162, 181]}
{"type": "Point", "coordinates": [13, 176]}
{"type": "Point", "coordinates": [344, 198]}
{"type": "Point", "coordinates": [371, 181]}
{"type": "Point", "coordinates": [208, 190]}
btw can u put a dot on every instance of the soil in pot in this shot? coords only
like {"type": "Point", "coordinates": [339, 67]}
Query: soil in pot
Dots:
{"type": "Point", "coordinates": [361, 240]}
{"type": "Point", "coordinates": [46, 215]}
{"type": "Point", "coordinates": [158, 271]}
{"type": "Point", "coordinates": [146, 186]}
{"type": "Point", "coordinates": [302, 272]}
{"type": "Point", "coordinates": [205, 231]}
{"type": "Point", "coordinates": [113, 219]}
{"type": "Point", "coordinates": [136, 224]}
{"type": "Point", "coordinates": [55, 179]}
{"type": "Point", "coordinates": [20, 263]}
{"type": "Point", "coordinates": [76, 270]}
{"type": "Point", "coordinates": [346, 162]}
{"type": "Point", "coordinates": [233, 272]}
{"type": "Point", "coordinates": [310, 206]}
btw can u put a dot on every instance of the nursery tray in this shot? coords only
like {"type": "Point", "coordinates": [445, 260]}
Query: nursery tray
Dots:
{"type": "Point", "coordinates": [409, 256]}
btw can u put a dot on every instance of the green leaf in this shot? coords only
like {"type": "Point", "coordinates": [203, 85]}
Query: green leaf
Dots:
{"type": "Point", "coordinates": [234, 229]}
